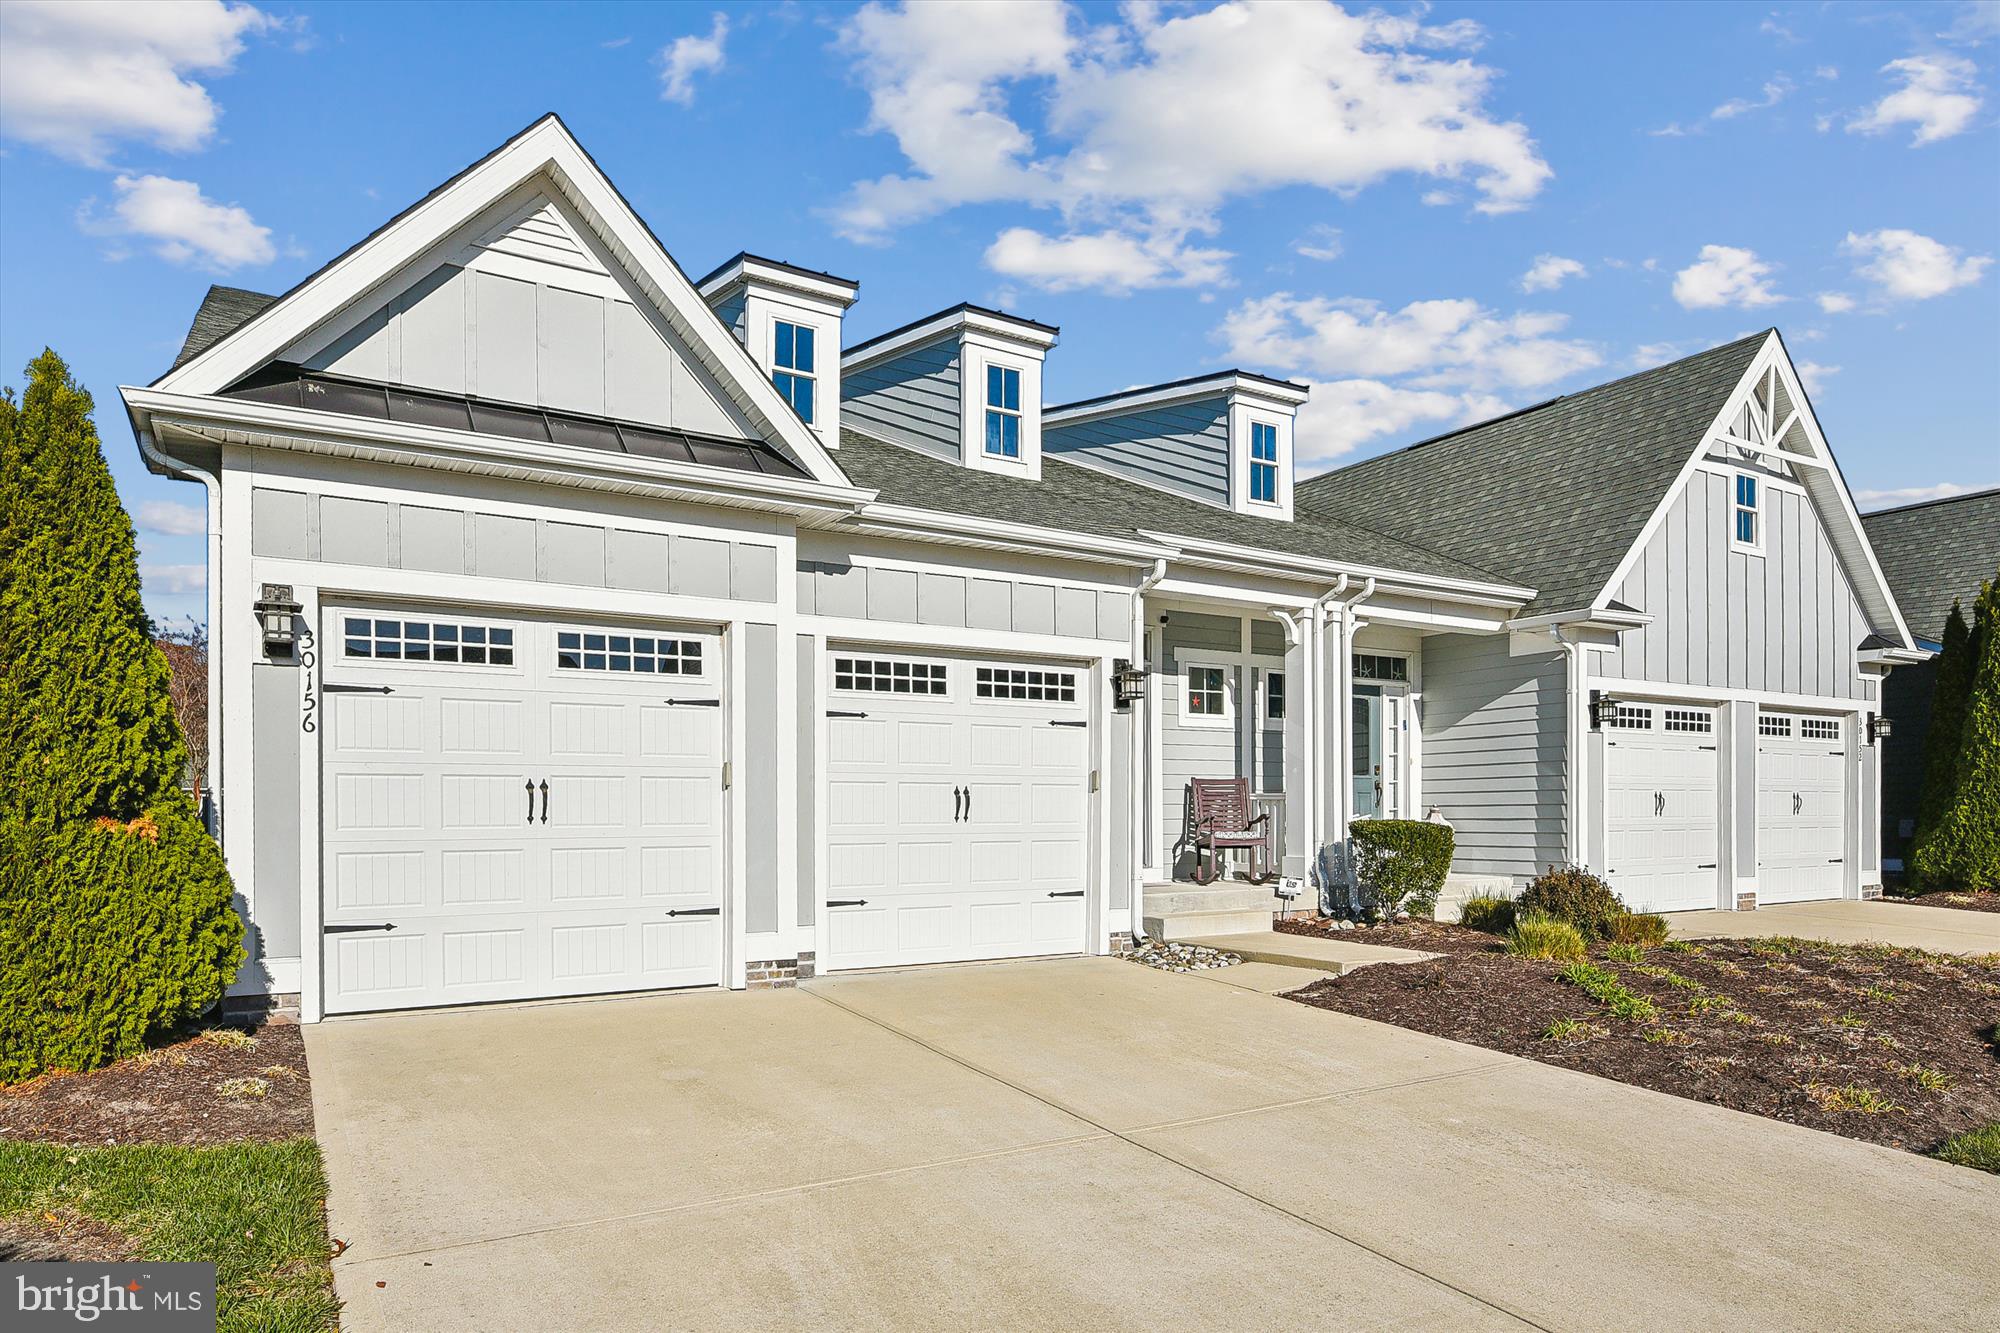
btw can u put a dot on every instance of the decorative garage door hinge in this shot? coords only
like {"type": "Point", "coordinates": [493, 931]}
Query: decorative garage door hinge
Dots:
{"type": "Point", "coordinates": [349, 930]}
{"type": "Point", "coordinates": [1069, 724]}
{"type": "Point", "coordinates": [330, 687]}
{"type": "Point", "coordinates": [695, 911]}
{"type": "Point", "coordinates": [694, 703]}
{"type": "Point", "coordinates": [839, 712]}
{"type": "Point", "coordinates": [1070, 893]}
{"type": "Point", "coordinates": [847, 902]}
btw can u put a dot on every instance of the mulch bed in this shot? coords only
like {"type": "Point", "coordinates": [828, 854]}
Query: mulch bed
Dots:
{"type": "Point", "coordinates": [1795, 1030]}
{"type": "Point", "coordinates": [209, 1088]}
{"type": "Point", "coordinates": [1964, 902]}
{"type": "Point", "coordinates": [1415, 933]}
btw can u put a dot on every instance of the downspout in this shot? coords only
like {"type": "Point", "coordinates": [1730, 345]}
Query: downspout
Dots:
{"type": "Point", "coordinates": [212, 601]}
{"type": "Point", "coordinates": [1141, 781]}
{"type": "Point", "coordinates": [1576, 737]}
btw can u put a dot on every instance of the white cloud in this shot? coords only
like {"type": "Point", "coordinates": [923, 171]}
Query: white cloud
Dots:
{"type": "Point", "coordinates": [684, 57]}
{"type": "Point", "coordinates": [1828, 72]}
{"type": "Point", "coordinates": [1912, 267]}
{"type": "Point", "coordinates": [77, 78]}
{"type": "Point", "coordinates": [1814, 376]}
{"type": "Point", "coordinates": [1342, 415]}
{"type": "Point", "coordinates": [170, 518]}
{"type": "Point", "coordinates": [1907, 495]}
{"type": "Point", "coordinates": [1774, 91]}
{"type": "Point", "coordinates": [1724, 275]}
{"type": "Point", "coordinates": [1940, 95]}
{"type": "Point", "coordinates": [1549, 272]}
{"type": "Point", "coordinates": [1438, 199]}
{"type": "Point", "coordinates": [1647, 355]}
{"type": "Point", "coordinates": [174, 578]}
{"type": "Point", "coordinates": [1319, 242]}
{"type": "Point", "coordinates": [1835, 303]}
{"type": "Point", "coordinates": [1111, 260]}
{"type": "Point", "coordinates": [1150, 124]}
{"type": "Point", "coordinates": [183, 225]}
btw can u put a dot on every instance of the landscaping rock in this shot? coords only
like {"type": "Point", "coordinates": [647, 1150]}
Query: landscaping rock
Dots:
{"type": "Point", "coordinates": [1173, 956]}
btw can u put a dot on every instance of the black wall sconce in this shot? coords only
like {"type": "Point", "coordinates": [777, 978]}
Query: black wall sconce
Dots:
{"type": "Point", "coordinates": [1601, 705]}
{"type": "Point", "coordinates": [1128, 683]}
{"type": "Point", "coordinates": [276, 611]}
{"type": "Point", "coordinates": [1878, 727]}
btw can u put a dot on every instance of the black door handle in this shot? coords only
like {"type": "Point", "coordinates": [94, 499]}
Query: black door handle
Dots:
{"type": "Point", "coordinates": [545, 800]}
{"type": "Point", "coordinates": [957, 798]}
{"type": "Point", "coordinates": [968, 803]}
{"type": "Point", "coordinates": [530, 784]}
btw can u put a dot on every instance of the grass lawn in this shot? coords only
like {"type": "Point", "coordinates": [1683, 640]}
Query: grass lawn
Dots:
{"type": "Point", "coordinates": [257, 1210]}
{"type": "Point", "coordinates": [1977, 1148]}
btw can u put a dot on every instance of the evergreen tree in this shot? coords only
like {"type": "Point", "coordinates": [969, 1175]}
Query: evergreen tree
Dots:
{"type": "Point", "coordinates": [1951, 679]}
{"type": "Point", "coordinates": [115, 914]}
{"type": "Point", "coordinates": [1962, 850]}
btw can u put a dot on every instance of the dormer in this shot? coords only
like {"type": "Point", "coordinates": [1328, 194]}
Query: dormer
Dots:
{"type": "Point", "coordinates": [1223, 439]}
{"type": "Point", "coordinates": [964, 384]}
{"type": "Point", "coordinates": [789, 320]}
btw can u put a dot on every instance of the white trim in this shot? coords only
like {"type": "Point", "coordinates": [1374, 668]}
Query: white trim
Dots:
{"type": "Point", "coordinates": [1025, 337]}
{"type": "Point", "coordinates": [1737, 476]}
{"type": "Point", "coordinates": [1664, 692]}
{"type": "Point", "coordinates": [1263, 700]}
{"type": "Point", "coordinates": [1135, 400]}
{"type": "Point", "coordinates": [749, 270]}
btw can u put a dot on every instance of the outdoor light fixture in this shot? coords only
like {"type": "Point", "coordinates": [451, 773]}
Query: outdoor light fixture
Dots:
{"type": "Point", "coordinates": [1128, 683]}
{"type": "Point", "coordinates": [275, 610]}
{"type": "Point", "coordinates": [1601, 705]}
{"type": "Point", "coordinates": [1878, 727]}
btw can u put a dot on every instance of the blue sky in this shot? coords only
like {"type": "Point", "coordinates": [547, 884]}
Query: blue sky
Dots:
{"type": "Point", "coordinates": [1430, 213]}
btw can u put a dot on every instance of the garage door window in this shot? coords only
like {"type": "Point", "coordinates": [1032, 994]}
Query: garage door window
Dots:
{"type": "Point", "coordinates": [1630, 717]}
{"type": "Point", "coordinates": [1819, 728]}
{"type": "Point", "coordinates": [879, 675]}
{"type": "Point", "coordinates": [640, 654]}
{"type": "Point", "coordinates": [1689, 719]}
{"type": "Point", "coordinates": [1030, 683]}
{"type": "Point", "coordinates": [1771, 725]}
{"type": "Point", "coordinates": [450, 642]}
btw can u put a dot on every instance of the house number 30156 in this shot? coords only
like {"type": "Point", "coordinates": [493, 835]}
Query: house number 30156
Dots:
{"type": "Point", "coordinates": [308, 660]}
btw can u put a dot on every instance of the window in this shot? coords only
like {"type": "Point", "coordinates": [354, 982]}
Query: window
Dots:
{"type": "Point", "coordinates": [641, 654]}
{"type": "Point", "coordinates": [1819, 728]}
{"type": "Point", "coordinates": [1003, 412]}
{"type": "Point", "coordinates": [1690, 719]}
{"type": "Point", "coordinates": [1372, 666]}
{"type": "Point", "coordinates": [1749, 520]}
{"type": "Point", "coordinates": [871, 675]}
{"type": "Point", "coordinates": [1274, 696]}
{"type": "Point", "coordinates": [1772, 724]}
{"type": "Point", "coordinates": [428, 641]}
{"type": "Point", "coordinates": [1263, 462]}
{"type": "Point", "coordinates": [1207, 697]}
{"type": "Point", "coordinates": [1024, 683]}
{"type": "Point", "coordinates": [792, 366]}
{"type": "Point", "coordinates": [1629, 717]}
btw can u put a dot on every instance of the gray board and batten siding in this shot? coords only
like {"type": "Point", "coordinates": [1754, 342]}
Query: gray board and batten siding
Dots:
{"type": "Point", "coordinates": [300, 525]}
{"type": "Point", "coordinates": [911, 398]}
{"type": "Point", "coordinates": [1784, 622]}
{"type": "Point", "coordinates": [960, 601]}
{"type": "Point", "coordinates": [1190, 752]}
{"type": "Point", "coordinates": [1495, 752]}
{"type": "Point", "coordinates": [1182, 447]}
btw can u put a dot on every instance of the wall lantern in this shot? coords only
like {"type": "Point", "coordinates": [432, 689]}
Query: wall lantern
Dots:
{"type": "Point", "coordinates": [1878, 727]}
{"type": "Point", "coordinates": [275, 612]}
{"type": "Point", "coordinates": [1601, 705]}
{"type": "Point", "coordinates": [1128, 683]}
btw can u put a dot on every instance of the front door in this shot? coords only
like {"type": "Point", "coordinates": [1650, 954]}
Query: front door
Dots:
{"type": "Point", "coordinates": [1377, 751]}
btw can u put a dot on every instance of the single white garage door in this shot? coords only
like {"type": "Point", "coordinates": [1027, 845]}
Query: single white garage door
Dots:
{"type": "Point", "coordinates": [957, 808]}
{"type": "Point", "coordinates": [517, 808]}
{"type": "Point", "coordinates": [1662, 819]}
{"type": "Point", "coordinates": [1801, 807]}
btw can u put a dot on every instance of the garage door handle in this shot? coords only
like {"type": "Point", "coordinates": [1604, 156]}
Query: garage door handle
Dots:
{"type": "Point", "coordinates": [695, 911]}
{"type": "Point", "coordinates": [847, 902]}
{"type": "Point", "coordinates": [349, 930]}
{"type": "Point", "coordinates": [968, 803]}
{"type": "Point", "coordinates": [545, 800]}
{"type": "Point", "coordinates": [1068, 893]}
{"type": "Point", "coordinates": [530, 784]}
{"type": "Point", "coordinates": [957, 800]}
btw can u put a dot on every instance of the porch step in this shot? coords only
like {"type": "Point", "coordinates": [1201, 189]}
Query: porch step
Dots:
{"type": "Point", "coordinates": [1177, 899]}
{"type": "Point", "coordinates": [1199, 925]}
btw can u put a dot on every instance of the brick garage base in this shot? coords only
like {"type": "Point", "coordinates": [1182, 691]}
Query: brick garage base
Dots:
{"type": "Point", "coordinates": [1746, 902]}
{"type": "Point", "coordinates": [778, 973]}
{"type": "Point", "coordinates": [1121, 943]}
{"type": "Point", "coordinates": [1869, 892]}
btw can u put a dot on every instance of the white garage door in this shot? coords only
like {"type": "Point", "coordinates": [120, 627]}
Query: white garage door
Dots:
{"type": "Point", "coordinates": [1661, 815]}
{"type": "Point", "coordinates": [957, 809]}
{"type": "Point", "coordinates": [517, 809]}
{"type": "Point", "coordinates": [1801, 807]}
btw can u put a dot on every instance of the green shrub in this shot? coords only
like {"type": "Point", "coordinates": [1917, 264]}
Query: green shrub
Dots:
{"type": "Point", "coordinates": [1574, 895]}
{"type": "Point", "coordinates": [115, 906]}
{"type": "Point", "coordinates": [1603, 985]}
{"type": "Point", "coordinates": [1401, 863]}
{"type": "Point", "coordinates": [1534, 936]}
{"type": "Point", "coordinates": [1977, 1148]}
{"type": "Point", "coordinates": [1951, 689]}
{"type": "Point", "coordinates": [1961, 848]}
{"type": "Point", "coordinates": [1488, 912]}
{"type": "Point", "coordinates": [1644, 929]}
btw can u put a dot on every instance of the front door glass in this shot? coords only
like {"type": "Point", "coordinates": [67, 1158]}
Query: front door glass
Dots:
{"type": "Point", "coordinates": [1367, 751]}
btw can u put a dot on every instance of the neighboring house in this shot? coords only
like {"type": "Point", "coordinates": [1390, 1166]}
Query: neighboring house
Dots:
{"type": "Point", "coordinates": [578, 627]}
{"type": "Point", "coordinates": [1933, 554]}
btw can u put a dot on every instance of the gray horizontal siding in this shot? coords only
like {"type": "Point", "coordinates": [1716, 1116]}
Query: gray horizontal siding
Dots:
{"type": "Point", "coordinates": [1183, 447]}
{"type": "Point", "coordinates": [1494, 761]}
{"type": "Point", "coordinates": [1784, 622]}
{"type": "Point", "coordinates": [1189, 752]}
{"type": "Point", "coordinates": [910, 399]}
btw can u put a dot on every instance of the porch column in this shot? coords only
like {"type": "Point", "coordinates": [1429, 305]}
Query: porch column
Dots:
{"type": "Point", "coordinates": [1335, 793]}
{"type": "Point", "coordinates": [1295, 857]}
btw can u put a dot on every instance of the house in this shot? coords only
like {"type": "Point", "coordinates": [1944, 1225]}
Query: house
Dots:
{"type": "Point", "coordinates": [1933, 554]}
{"type": "Point", "coordinates": [579, 627]}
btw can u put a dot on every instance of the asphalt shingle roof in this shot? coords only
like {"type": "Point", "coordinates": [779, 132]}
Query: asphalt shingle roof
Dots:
{"type": "Point", "coordinates": [1935, 553]}
{"type": "Point", "coordinates": [1551, 497]}
{"type": "Point", "coordinates": [1080, 499]}
{"type": "Point", "coordinates": [223, 311]}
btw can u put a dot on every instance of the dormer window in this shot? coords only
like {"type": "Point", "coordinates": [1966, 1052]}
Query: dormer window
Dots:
{"type": "Point", "coordinates": [792, 366]}
{"type": "Point", "coordinates": [1749, 533]}
{"type": "Point", "coordinates": [1264, 462]}
{"type": "Point", "coordinates": [1003, 412]}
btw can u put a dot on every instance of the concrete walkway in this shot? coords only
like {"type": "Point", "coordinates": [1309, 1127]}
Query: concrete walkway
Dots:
{"type": "Point", "coordinates": [1943, 929]}
{"type": "Point", "coordinates": [1083, 1143]}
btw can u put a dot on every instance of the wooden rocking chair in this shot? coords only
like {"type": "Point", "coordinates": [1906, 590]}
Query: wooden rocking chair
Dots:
{"type": "Point", "coordinates": [1219, 820]}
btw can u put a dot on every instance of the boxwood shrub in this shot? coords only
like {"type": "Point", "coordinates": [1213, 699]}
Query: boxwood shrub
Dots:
{"type": "Point", "coordinates": [1401, 863]}
{"type": "Point", "coordinates": [1572, 894]}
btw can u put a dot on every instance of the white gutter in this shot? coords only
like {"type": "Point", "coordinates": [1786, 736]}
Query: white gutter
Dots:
{"type": "Point", "coordinates": [1600, 617]}
{"type": "Point", "coordinates": [212, 607]}
{"type": "Point", "coordinates": [1140, 783]}
{"type": "Point", "coordinates": [1228, 556]}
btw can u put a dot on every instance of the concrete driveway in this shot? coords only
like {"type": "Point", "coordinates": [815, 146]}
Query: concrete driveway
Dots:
{"type": "Point", "coordinates": [1846, 921]}
{"type": "Point", "coordinates": [1078, 1143]}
